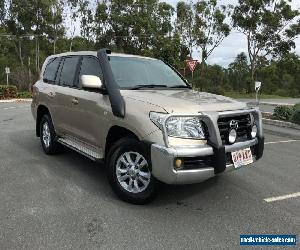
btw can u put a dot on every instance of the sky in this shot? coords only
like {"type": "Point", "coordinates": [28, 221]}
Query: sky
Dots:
{"type": "Point", "coordinates": [235, 43]}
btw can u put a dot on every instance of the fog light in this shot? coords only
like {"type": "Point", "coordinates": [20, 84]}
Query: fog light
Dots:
{"type": "Point", "coordinates": [253, 131]}
{"type": "Point", "coordinates": [178, 163]}
{"type": "Point", "coordinates": [232, 136]}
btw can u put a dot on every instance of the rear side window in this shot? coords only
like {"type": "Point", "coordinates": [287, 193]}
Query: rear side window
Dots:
{"type": "Point", "coordinates": [68, 73]}
{"type": "Point", "coordinates": [59, 71]}
{"type": "Point", "coordinates": [90, 66]}
{"type": "Point", "coordinates": [51, 69]}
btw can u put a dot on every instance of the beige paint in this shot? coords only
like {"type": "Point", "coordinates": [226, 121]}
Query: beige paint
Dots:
{"type": "Point", "coordinates": [87, 115]}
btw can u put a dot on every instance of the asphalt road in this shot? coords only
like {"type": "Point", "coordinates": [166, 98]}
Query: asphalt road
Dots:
{"type": "Point", "coordinates": [65, 202]}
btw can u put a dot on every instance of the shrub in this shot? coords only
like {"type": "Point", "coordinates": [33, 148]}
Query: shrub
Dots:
{"type": "Point", "coordinates": [8, 91]}
{"type": "Point", "coordinates": [20, 77]}
{"type": "Point", "coordinates": [218, 90]}
{"type": "Point", "coordinates": [296, 116]}
{"type": "Point", "coordinates": [24, 94]}
{"type": "Point", "coordinates": [282, 92]}
{"type": "Point", "coordinates": [296, 106]}
{"type": "Point", "coordinates": [282, 112]}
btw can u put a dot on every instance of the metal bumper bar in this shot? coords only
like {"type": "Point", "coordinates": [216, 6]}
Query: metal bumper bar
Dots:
{"type": "Point", "coordinates": [163, 159]}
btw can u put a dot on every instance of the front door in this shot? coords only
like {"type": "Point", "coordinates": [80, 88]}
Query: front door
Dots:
{"type": "Point", "coordinates": [88, 115]}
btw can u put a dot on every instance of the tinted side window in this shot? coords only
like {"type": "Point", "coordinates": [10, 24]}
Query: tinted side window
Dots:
{"type": "Point", "coordinates": [67, 77]}
{"type": "Point", "coordinates": [51, 69]}
{"type": "Point", "coordinates": [59, 71]}
{"type": "Point", "coordinates": [90, 66]}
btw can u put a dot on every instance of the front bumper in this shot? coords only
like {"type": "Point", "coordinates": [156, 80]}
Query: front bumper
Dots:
{"type": "Point", "coordinates": [163, 159]}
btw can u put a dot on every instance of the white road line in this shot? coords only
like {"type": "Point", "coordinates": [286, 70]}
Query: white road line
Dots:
{"type": "Point", "coordinates": [274, 142]}
{"type": "Point", "coordinates": [10, 108]}
{"type": "Point", "coordinates": [282, 197]}
{"type": "Point", "coordinates": [18, 107]}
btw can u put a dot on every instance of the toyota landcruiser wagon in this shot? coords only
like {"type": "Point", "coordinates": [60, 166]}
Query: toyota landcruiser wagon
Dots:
{"type": "Point", "coordinates": [141, 118]}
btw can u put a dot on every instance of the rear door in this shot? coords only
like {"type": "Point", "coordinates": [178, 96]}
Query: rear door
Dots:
{"type": "Point", "coordinates": [65, 99]}
{"type": "Point", "coordinates": [48, 89]}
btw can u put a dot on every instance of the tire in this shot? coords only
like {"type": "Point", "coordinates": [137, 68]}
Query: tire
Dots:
{"type": "Point", "coordinates": [132, 182]}
{"type": "Point", "coordinates": [48, 136]}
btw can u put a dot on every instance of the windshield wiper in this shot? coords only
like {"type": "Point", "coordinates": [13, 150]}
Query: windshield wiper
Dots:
{"type": "Point", "coordinates": [150, 86]}
{"type": "Point", "coordinates": [181, 87]}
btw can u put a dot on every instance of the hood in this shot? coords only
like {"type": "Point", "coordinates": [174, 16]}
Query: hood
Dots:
{"type": "Point", "coordinates": [184, 101]}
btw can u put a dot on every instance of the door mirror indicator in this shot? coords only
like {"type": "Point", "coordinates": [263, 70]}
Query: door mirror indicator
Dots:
{"type": "Point", "coordinates": [91, 82]}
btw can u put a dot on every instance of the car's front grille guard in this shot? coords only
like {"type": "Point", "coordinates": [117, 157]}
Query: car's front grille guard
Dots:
{"type": "Point", "coordinates": [211, 121]}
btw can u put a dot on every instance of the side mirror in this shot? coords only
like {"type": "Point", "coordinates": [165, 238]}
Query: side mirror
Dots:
{"type": "Point", "coordinates": [91, 82]}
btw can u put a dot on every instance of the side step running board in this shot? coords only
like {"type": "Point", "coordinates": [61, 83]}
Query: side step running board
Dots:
{"type": "Point", "coordinates": [91, 152]}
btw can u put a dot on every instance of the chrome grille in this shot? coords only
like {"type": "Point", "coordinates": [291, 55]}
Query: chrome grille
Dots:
{"type": "Point", "coordinates": [244, 126]}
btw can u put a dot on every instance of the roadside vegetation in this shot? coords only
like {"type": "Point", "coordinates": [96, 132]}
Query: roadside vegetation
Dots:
{"type": "Point", "coordinates": [8, 92]}
{"type": "Point", "coordinates": [287, 113]}
{"type": "Point", "coordinates": [238, 95]}
{"type": "Point", "coordinates": [157, 29]}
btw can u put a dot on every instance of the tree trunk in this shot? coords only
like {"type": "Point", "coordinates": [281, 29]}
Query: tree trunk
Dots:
{"type": "Point", "coordinates": [35, 56]}
{"type": "Point", "coordinates": [29, 75]}
{"type": "Point", "coordinates": [38, 56]}
{"type": "Point", "coordinates": [71, 44]}
{"type": "Point", "coordinates": [20, 53]}
{"type": "Point", "coordinates": [202, 70]}
{"type": "Point", "coordinates": [252, 58]}
{"type": "Point", "coordinates": [54, 46]}
{"type": "Point", "coordinates": [252, 77]}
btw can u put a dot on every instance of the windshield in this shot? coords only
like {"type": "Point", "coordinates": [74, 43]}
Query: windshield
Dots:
{"type": "Point", "coordinates": [130, 72]}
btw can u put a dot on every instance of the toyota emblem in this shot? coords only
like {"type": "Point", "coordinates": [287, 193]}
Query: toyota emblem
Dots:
{"type": "Point", "coordinates": [234, 124]}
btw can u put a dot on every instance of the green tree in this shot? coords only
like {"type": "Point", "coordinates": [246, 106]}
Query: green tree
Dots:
{"type": "Point", "coordinates": [101, 26]}
{"type": "Point", "coordinates": [81, 11]}
{"type": "Point", "coordinates": [239, 69]}
{"type": "Point", "coordinates": [2, 11]}
{"type": "Point", "coordinates": [211, 28]}
{"type": "Point", "coordinates": [137, 27]}
{"type": "Point", "coordinates": [270, 27]}
{"type": "Point", "coordinates": [36, 20]}
{"type": "Point", "coordinates": [186, 24]}
{"type": "Point", "coordinates": [56, 29]}
{"type": "Point", "coordinates": [288, 70]}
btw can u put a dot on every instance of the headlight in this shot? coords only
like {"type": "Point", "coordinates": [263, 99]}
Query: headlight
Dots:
{"type": "Point", "coordinates": [185, 127]}
{"type": "Point", "coordinates": [158, 119]}
{"type": "Point", "coordinates": [190, 127]}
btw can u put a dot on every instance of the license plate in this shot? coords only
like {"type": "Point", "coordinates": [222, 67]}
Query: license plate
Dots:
{"type": "Point", "coordinates": [242, 157]}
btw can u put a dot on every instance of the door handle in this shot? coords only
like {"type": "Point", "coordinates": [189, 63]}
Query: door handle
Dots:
{"type": "Point", "coordinates": [75, 101]}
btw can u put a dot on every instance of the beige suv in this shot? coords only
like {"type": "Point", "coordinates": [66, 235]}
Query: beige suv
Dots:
{"type": "Point", "coordinates": [141, 117]}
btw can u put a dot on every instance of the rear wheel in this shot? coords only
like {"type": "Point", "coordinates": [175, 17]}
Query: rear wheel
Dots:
{"type": "Point", "coordinates": [129, 172]}
{"type": "Point", "coordinates": [48, 136]}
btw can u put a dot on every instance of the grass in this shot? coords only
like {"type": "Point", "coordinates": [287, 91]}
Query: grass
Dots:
{"type": "Point", "coordinates": [237, 95]}
{"type": "Point", "coordinates": [24, 94]}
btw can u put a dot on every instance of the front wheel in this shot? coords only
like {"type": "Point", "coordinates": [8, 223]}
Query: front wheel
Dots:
{"type": "Point", "coordinates": [129, 172]}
